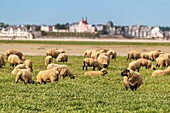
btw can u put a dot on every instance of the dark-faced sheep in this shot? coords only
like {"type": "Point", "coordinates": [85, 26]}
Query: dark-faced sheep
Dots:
{"type": "Point", "coordinates": [102, 72]}
{"type": "Point", "coordinates": [50, 75]}
{"type": "Point", "coordinates": [131, 79]}
{"type": "Point", "coordinates": [24, 75]}
{"type": "Point", "coordinates": [90, 62]}
{"type": "Point", "coordinates": [145, 62]}
{"type": "Point", "coordinates": [162, 62]}
{"type": "Point", "coordinates": [14, 60]}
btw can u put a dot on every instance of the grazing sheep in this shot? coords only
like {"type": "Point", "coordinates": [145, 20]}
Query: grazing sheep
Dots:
{"type": "Point", "coordinates": [87, 53]}
{"type": "Point", "coordinates": [18, 53]}
{"type": "Point", "coordinates": [134, 65]}
{"type": "Point", "coordinates": [145, 62]}
{"type": "Point", "coordinates": [154, 54]}
{"type": "Point", "coordinates": [90, 62]}
{"type": "Point", "coordinates": [161, 72]}
{"type": "Point", "coordinates": [133, 55]}
{"type": "Point", "coordinates": [17, 68]}
{"type": "Point", "coordinates": [54, 52]}
{"type": "Point", "coordinates": [25, 76]}
{"type": "Point", "coordinates": [102, 72]}
{"type": "Point", "coordinates": [2, 61]}
{"type": "Point", "coordinates": [62, 69]}
{"type": "Point", "coordinates": [14, 60]}
{"type": "Point", "coordinates": [162, 62]}
{"type": "Point", "coordinates": [62, 57]}
{"type": "Point", "coordinates": [103, 60]}
{"type": "Point", "coordinates": [50, 75]}
{"type": "Point", "coordinates": [28, 64]}
{"type": "Point", "coordinates": [131, 79]}
{"type": "Point", "coordinates": [48, 60]}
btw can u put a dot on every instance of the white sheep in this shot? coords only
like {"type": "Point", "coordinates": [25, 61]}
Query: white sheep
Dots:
{"type": "Point", "coordinates": [48, 60]}
{"type": "Point", "coordinates": [145, 62]}
{"type": "Point", "coordinates": [90, 62]}
{"type": "Point", "coordinates": [24, 75]}
{"type": "Point", "coordinates": [95, 54]}
{"type": "Point", "coordinates": [62, 57]}
{"type": "Point", "coordinates": [162, 62]}
{"type": "Point", "coordinates": [54, 52]}
{"type": "Point", "coordinates": [102, 72]}
{"type": "Point", "coordinates": [131, 79]}
{"type": "Point", "coordinates": [18, 53]}
{"type": "Point", "coordinates": [50, 75]}
{"type": "Point", "coordinates": [14, 60]}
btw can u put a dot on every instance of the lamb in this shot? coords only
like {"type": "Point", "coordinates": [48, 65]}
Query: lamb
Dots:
{"type": "Point", "coordinates": [28, 65]}
{"type": "Point", "coordinates": [54, 52]}
{"type": "Point", "coordinates": [18, 53]}
{"type": "Point", "coordinates": [131, 79]}
{"type": "Point", "coordinates": [25, 76]}
{"type": "Point", "coordinates": [102, 72]}
{"type": "Point", "coordinates": [62, 57]}
{"type": "Point", "coordinates": [87, 53]}
{"type": "Point", "coordinates": [14, 60]}
{"type": "Point", "coordinates": [103, 60]}
{"type": "Point", "coordinates": [48, 60]}
{"type": "Point", "coordinates": [2, 61]}
{"type": "Point", "coordinates": [161, 72]}
{"type": "Point", "coordinates": [133, 55]}
{"type": "Point", "coordinates": [90, 62]}
{"type": "Point", "coordinates": [134, 65]}
{"type": "Point", "coordinates": [50, 75]}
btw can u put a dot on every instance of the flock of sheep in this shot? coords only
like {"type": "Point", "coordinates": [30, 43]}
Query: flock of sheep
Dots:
{"type": "Point", "coordinates": [93, 58]}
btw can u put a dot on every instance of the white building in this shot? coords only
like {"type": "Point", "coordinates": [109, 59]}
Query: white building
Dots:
{"type": "Point", "coordinates": [82, 26]}
{"type": "Point", "coordinates": [16, 32]}
{"type": "Point", "coordinates": [46, 28]}
{"type": "Point", "coordinates": [156, 33]}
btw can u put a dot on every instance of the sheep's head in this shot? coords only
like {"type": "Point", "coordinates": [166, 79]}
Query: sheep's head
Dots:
{"type": "Point", "coordinates": [125, 72]}
{"type": "Point", "coordinates": [104, 72]}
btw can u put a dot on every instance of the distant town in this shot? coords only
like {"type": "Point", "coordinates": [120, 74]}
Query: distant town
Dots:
{"type": "Point", "coordinates": [82, 29]}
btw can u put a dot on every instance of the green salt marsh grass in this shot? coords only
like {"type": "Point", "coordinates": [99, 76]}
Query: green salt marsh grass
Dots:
{"type": "Point", "coordinates": [84, 94]}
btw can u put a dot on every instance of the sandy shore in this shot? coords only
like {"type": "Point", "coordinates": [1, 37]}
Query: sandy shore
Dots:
{"type": "Point", "coordinates": [39, 49]}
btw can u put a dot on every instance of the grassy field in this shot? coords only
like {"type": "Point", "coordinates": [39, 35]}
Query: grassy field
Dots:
{"type": "Point", "coordinates": [84, 94]}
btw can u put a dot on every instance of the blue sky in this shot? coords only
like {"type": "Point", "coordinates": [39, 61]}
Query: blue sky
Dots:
{"type": "Point", "coordinates": [121, 12]}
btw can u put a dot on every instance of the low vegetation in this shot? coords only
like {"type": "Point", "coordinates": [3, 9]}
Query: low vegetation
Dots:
{"type": "Point", "coordinates": [84, 94]}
